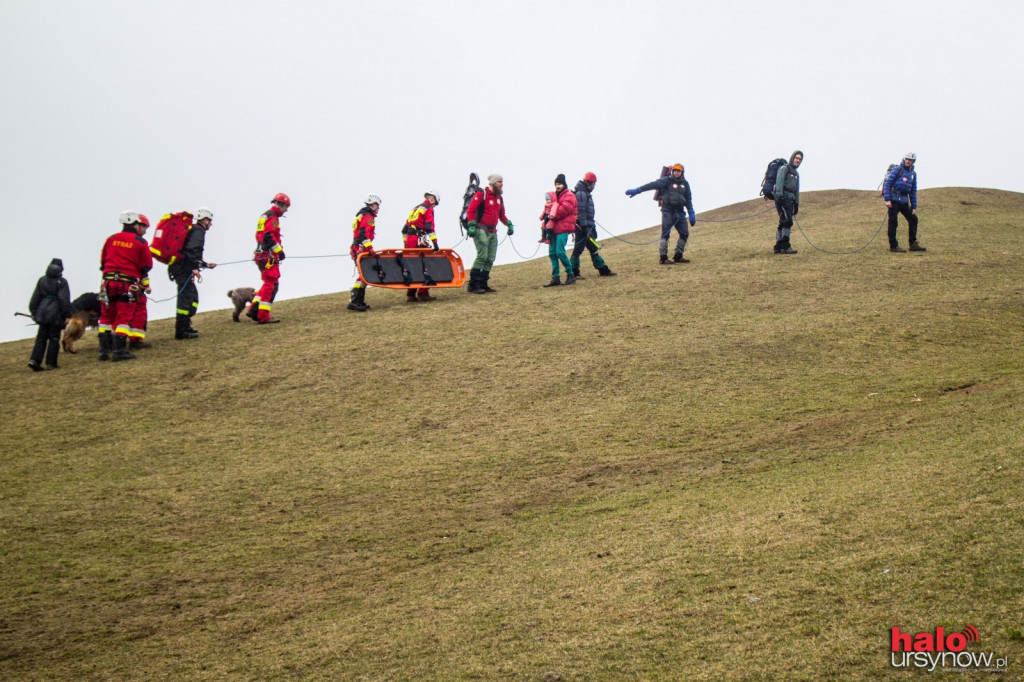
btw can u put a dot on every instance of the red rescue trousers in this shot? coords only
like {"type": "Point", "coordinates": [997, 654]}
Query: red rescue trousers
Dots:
{"type": "Point", "coordinates": [268, 290]}
{"type": "Point", "coordinates": [117, 314]}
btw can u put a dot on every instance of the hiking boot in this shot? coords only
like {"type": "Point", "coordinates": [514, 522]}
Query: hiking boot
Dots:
{"type": "Point", "coordinates": [105, 345]}
{"type": "Point", "coordinates": [253, 313]}
{"type": "Point", "coordinates": [678, 258]}
{"type": "Point", "coordinates": [606, 272]}
{"type": "Point", "coordinates": [410, 296]}
{"type": "Point", "coordinates": [425, 298]}
{"type": "Point", "coordinates": [358, 307]}
{"type": "Point", "coordinates": [578, 275]}
{"type": "Point", "coordinates": [553, 283]}
{"type": "Point", "coordinates": [665, 261]}
{"type": "Point", "coordinates": [788, 249]}
{"type": "Point", "coordinates": [139, 343]}
{"type": "Point", "coordinates": [52, 367]}
{"type": "Point", "coordinates": [914, 246]}
{"type": "Point", "coordinates": [35, 366]}
{"type": "Point", "coordinates": [570, 279]}
{"type": "Point", "coordinates": [485, 285]}
{"type": "Point", "coordinates": [120, 349]}
{"type": "Point", "coordinates": [897, 249]}
{"type": "Point", "coordinates": [187, 334]}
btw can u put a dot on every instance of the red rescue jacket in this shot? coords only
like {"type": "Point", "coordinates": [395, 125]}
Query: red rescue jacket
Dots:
{"type": "Point", "coordinates": [494, 209]}
{"type": "Point", "coordinates": [127, 254]}
{"type": "Point", "coordinates": [363, 228]}
{"type": "Point", "coordinates": [268, 235]}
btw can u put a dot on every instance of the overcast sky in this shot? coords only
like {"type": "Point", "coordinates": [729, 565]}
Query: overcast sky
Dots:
{"type": "Point", "coordinates": [161, 106]}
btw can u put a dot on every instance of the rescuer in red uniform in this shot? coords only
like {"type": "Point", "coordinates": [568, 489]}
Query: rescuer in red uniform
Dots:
{"type": "Point", "coordinates": [125, 261]}
{"type": "Point", "coordinates": [363, 229]}
{"type": "Point", "coordinates": [419, 233]}
{"type": "Point", "coordinates": [268, 256]}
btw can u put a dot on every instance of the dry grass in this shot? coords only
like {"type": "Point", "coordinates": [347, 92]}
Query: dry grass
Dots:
{"type": "Point", "coordinates": [750, 467]}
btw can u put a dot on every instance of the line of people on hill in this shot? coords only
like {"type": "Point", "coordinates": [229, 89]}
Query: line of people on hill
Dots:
{"type": "Point", "coordinates": [126, 258]}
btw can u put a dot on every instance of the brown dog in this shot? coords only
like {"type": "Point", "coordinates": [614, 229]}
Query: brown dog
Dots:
{"type": "Point", "coordinates": [241, 297]}
{"type": "Point", "coordinates": [75, 328]}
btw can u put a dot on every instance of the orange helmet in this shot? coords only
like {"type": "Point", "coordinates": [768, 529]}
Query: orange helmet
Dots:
{"type": "Point", "coordinates": [677, 167]}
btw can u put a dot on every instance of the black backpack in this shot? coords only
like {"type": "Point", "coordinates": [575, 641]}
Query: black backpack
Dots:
{"type": "Point", "coordinates": [471, 189]}
{"type": "Point", "coordinates": [770, 173]}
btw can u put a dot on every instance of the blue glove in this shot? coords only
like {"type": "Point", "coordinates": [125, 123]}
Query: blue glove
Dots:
{"type": "Point", "coordinates": [693, 216]}
{"type": "Point", "coordinates": [632, 192]}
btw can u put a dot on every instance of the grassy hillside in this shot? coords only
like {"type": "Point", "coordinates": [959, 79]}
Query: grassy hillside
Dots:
{"type": "Point", "coordinates": [749, 467]}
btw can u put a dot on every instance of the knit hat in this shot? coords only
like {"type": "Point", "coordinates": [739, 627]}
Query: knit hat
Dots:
{"type": "Point", "coordinates": [494, 178]}
{"type": "Point", "coordinates": [560, 180]}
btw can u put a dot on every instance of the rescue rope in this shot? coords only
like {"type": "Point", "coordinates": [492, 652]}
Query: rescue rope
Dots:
{"type": "Point", "coordinates": [841, 253]}
{"type": "Point", "coordinates": [172, 298]}
{"type": "Point", "coordinates": [508, 238]}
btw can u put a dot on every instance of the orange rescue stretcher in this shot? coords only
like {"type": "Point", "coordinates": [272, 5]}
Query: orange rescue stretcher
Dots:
{"type": "Point", "coordinates": [412, 268]}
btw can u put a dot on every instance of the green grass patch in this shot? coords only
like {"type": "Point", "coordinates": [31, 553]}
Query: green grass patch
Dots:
{"type": "Point", "coordinates": [749, 467]}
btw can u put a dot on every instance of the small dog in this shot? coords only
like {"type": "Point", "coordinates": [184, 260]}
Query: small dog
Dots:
{"type": "Point", "coordinates": [86, 316]}
{"type": "Point", "coordinates": [241, 297]}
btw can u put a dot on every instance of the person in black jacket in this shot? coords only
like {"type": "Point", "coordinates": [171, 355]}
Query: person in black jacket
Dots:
{"type": "Point", "coordinates": [50, 307]}
{"type": "Point", "coordinates": [185, 273]}
{"type": "Point", "coordinates": [676, 204]}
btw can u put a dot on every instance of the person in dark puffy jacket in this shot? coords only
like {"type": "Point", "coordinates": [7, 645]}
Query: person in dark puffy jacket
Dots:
{"type": "Point", "coordinates": [50, 307]}
{"type": "Point", "coordinates": [586, 229]}
{"type": "Point", "coordinates": [676, 204]}
{"type": "Point", "coordinates": [900, 193]}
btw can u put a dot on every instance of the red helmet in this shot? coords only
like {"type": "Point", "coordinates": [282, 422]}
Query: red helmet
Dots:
{"type": "Point", "coordinates": [282, 198]}
{"type": "Point", "coordinates": [143, 220]}
{"type": "Point", "coordinates": [589, 177]}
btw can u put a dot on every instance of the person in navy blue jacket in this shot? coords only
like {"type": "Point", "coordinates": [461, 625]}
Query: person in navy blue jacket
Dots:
{"type": "Point", "coordinates": [900, 193]}
{"type": "Point", "coordinates": [676, 202]}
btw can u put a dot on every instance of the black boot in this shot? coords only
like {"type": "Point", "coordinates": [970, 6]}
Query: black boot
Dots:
{"type": "Point", "coordinates": [253, 312]}
{"type": "Point", "coordinates": [356, 300]}
{"type": "Point", "coordinates": [474, 282]}
{"type": "Point", "coordinates": [106, 341]}
{"type": "Point", "coordinates": [554, 282]}
{"type": "Point", "coordinates": [665, 261]}
{"type": "Point", "coordinates": [182, 329]}
{"type": "Point", "coordinates": [485, 287]}
{"type": "Point", "coordinates": [606, 272]}
{"type": "Point", "coordinates": [410, 296]}
{"type": "Point", "coordinates": [120, 349]}
{"type": "Point", "coordinates": [570, 278]}
{"type": "Point", "coordinates": [678, 258]}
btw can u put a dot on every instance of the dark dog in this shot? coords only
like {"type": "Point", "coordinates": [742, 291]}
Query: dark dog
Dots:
{"type": "Point", "coordinates": [86, 316]}
{"type": "Point", "coordinates": [241, 297]}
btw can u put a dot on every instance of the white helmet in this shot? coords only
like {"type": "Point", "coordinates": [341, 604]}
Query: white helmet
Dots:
{"type": "Point", "coordinates": [129, 217]}
{"type": "Point", "coordinates": [437, 197]}
{"type": "Point", "coordinates": [910, 156]}
{"type": "Point", "coordinates": [203, 212]}
{"type": "Point", "coordinates": [372, 199]}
